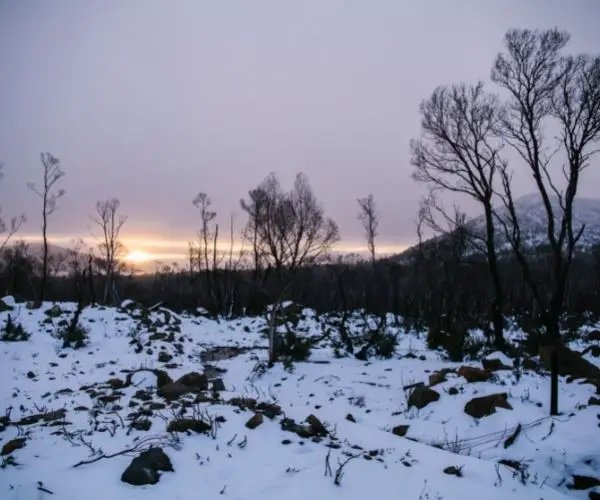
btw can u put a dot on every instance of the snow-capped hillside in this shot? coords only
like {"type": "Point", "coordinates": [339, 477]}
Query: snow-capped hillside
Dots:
{"type": "Point", "coordinates": [533, 220]}
{"type": "Point", "coordinates": [157, 391]}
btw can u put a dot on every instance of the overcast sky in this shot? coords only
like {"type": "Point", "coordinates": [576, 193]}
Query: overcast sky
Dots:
{"type": "Point", "coordinates": [152, 101]}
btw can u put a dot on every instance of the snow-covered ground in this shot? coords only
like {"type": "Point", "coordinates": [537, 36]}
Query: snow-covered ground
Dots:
{"type": "Point", "coordinates": [108, 385]}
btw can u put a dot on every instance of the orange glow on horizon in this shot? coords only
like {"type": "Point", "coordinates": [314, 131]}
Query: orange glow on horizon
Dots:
{"type": "Point", "coordinates": [151, 249]}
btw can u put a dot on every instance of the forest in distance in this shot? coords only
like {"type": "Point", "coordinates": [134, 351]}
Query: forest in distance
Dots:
{"type": "Point", "coordinates": [459, 280]}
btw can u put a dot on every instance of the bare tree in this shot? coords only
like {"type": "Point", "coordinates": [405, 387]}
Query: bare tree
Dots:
{"type": "Point", "coordinates": [12, 227]}
{"type": "Point", "coordinates": [289, 231]}
{"type": "Point", "coordinates": [110, 222]}
{"type": "Point", "coordinates": [52, 174]}
{"type": "Point", "coordinates": [370, 220]}
{"type": "Point", "coordinates": [544, 86]}
{"type": "Point", "coordinates": [459, 153]}
{"type": "Point", "coordinates": [208, 257]}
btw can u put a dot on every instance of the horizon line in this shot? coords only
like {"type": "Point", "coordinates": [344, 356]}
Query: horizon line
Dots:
{"type": "Point", "coordinates": [149, 246]}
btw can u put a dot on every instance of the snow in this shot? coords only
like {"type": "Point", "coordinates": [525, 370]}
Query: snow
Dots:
{"type": "Point", "coordinates": [239, 463]}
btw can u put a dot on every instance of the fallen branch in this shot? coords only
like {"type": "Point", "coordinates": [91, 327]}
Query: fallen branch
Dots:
{"type": "Point", "coordinates": [138, 447]}
{"type": "Point", "coordinates": [513, 437]}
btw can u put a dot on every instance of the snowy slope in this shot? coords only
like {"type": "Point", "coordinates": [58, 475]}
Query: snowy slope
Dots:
{"type": "Point", "coordinates": [533, 219]}
{"type": "Point", "coordinates": [39, 376]}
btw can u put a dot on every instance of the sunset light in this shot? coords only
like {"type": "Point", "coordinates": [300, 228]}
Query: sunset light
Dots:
{"type": "Point", "coordinates": [138, 256]}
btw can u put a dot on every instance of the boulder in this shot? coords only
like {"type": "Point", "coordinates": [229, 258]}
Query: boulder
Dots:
{"type": "Point", "coordinates": [164, 357]}
{"type": "Point", "coordinates": [593, 350]}
{"type": "Point", "coordinates": [569, 362]}
{"type": "Point", "coordinates": [493, 365]}
{"type": "Point", "coordinates": [421, 396]}
{"type": "Point", "coordinates": [486, 405]}
{"type": "Point", "coordinates": [400, 430]}
{"type": "Point", "coordinates": [194, 380]}
{"type": "Point", "coordinates": [593, 336]}
{"type": "Point", "coordinates": [144, 469]}
{"type": "Point", "coordinates": [584, 482]}
{"type": "Point", "coordinates": [269, 410]}
{"type": "Point", "coordinates": [472, 374]}
{"type": "Point", "coordinates": [316, 426]}
{"type": "Point", "coordinates": [256, 420]}
{"type": "Point", "coordinates": [12, 445]}
{"type": "Point", "coordinates": [288, 424]}
{"type": "Point", "coordinates": [218, 385]}
{"type": "Point", "coordinates": [436, 378]}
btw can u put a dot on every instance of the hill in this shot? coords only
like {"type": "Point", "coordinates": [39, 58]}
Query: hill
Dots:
{"type": "Point", "coordinates": [77, 419]}
{"type": "Point", "coordinates": [532, 216]}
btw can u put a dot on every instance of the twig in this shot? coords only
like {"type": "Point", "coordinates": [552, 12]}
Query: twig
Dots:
{"type": "Point", "coordinates": [339, 473]}
{"type": "Point", "coordinates": [328, 471]}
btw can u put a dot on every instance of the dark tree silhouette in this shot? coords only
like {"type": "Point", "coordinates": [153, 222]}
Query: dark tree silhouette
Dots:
{"type": "Point", "coordinates": [52, 174]}
{"type": "Point", "coordinates": [543, 85]}
{"type": "Point", "coordinates": [459, 153]}
{"type": "Point", "coordinates": [369, 218]}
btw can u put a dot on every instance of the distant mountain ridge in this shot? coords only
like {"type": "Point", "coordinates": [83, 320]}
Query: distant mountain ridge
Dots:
{"type": "Point", "coordinates": [532, 216]}
{"type": "Point", "coordinates": [533, 221]}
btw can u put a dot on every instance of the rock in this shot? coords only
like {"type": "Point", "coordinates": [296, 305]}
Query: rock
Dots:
{"type": "Point", "coordinates": [164, 357]}
{"type": "Point", "coordinates": [400, 430]}
{"type": "Point", "coordinates": [221, 353]}
{"type": "Point", "coordinates": [472, 374]}
{"type": "Point", "coordinates": [54, 312]}
{"type": "Point", "coordinates": [350, 418]}
{"type": "Point", "coordinates": [486, 405]}
{"type": "Point", "coordinates": [594, 495]}
{"type": "Point", "coordinates": [157, 336]}
{"type": "Point", "coordinates": [593, 336]}
{"type": "Point", "coordinates": [144, 468]}
{"type": "Point", "coordinates": [530, 364]}
{"type": "Point", "coordinates": [218, 385]}
{"type": "Point", "coordinates": [142, 395]}
{"type": "Point", "coordinates": [436, 378]}
{"type": "Point", "coordinates": [194, 380]}
{"type": "Point", "coordinates": [188, 424]}
{"type": "Point", "coordinates": [269, 410]}
{"type": "Point", "coordinates": [453, 391]}
{"type": "Point", "coordinates": [584, 482]}
{"type": "Point", "coordinates": [316, 426]}
{"type": "Point", "coordinates": [162, 377]}
{"type": "Point", "coordinates": [115, 383]}
{"type": "Point", "coordinates": [593, 350]}
{"type": "Point", "coordinates": [593, 401]}
{"type": "Point", "coordinates": [54, 415]}
{"type": "Point", "coordinates": [109, 398]}
{"type": "Point", "coordinates": [156, 405]}
{"type": "Point", "coordinates": [141, 425]}
{"type": "Point", "coordinates": [255, 421]}
{"type": "Point", "coordinates": [30, 374]}
{"type": "Point", "coordinates": [12, 445]}
{"type": "Point", "coordinates": [173, 391]}
{"type": "Point", "coordinates": [243, 403]}
{"type": "Point", "coordinates": [493, 365]}
{"type": "Point", "coordinates": [421, 396]}
{"type": "Point", "coordinates": [569, 362]}
{"type": "Point", "coordinates": [4, 306]}
{"type": "Point", "coordinates": [288, 424]}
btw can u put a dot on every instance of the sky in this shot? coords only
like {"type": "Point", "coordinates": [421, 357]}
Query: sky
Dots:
{"type": "Point", "coordinates": [152, 102]}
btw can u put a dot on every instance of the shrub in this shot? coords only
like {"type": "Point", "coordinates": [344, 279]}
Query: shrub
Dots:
{"type": "Point", "coordinates": [75, 336]}
{"type": "Point", "coordinates": [385, 345]}
{"type": "Point", "coordinates": [13, 332]}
